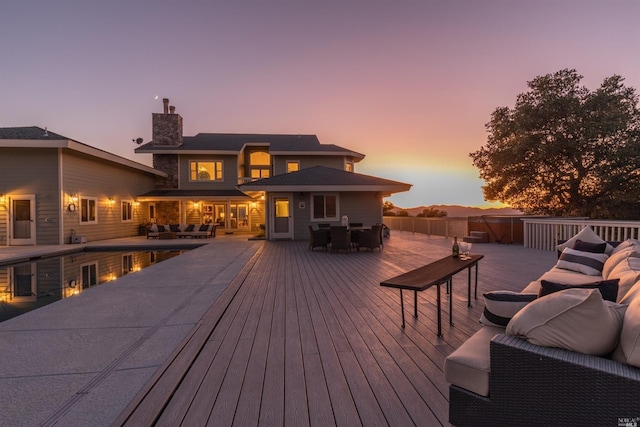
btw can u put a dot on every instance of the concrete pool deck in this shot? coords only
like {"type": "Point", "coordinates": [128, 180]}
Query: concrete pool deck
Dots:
{"type": "Point", "coordinates": [80, 361]}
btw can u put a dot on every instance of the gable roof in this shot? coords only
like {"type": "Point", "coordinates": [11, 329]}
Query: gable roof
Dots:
{"type": "Point", "coordinates": [36, 137]}
{"type": "Point", "coordinates": [234, 143]}
{"type": "Point", "coordinates": [321, 178]}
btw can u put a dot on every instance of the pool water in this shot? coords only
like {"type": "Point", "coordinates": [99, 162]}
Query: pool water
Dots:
{"type": "Point", "coordinates": [29, 285]}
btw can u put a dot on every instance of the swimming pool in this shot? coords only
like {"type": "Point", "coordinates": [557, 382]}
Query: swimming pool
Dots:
{"type": "Point", "coordinates": [26, 286]}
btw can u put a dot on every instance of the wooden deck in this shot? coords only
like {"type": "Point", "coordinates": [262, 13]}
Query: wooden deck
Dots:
{"type": "Point", "coordinates": [305, 338]}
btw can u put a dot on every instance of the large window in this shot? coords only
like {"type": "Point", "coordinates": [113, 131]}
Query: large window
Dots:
{"type": "Point", "coordinates": [127, 211]}
{"type": "Point", "coordinates": [88, 210]}
{"type": "Point", "coordinates": [325, 206]}
{"type": "Point", "coordinates": [260, 164]}
{"type": "Point", "coordinates": [205, 171]}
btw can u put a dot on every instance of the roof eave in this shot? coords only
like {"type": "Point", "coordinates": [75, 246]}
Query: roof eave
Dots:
{"type": "Point", "coordinates": [384, 188]}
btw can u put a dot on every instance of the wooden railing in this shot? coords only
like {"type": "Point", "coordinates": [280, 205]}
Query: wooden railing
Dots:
{"type": "Point", "coordinates": [544, 233]}
{"type": "Point", "coordinates": [447, 227]}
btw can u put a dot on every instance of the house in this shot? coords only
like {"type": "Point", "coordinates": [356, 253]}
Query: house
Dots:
{"type": "Point", "coordinates": [55, 190]}
{"type": "Point", "coordinates": [249, 182]}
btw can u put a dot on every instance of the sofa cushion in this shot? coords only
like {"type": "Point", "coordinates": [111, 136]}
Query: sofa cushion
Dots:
{"type": "Point", "coordinates": [501, 306]}
{"type": "Point", "coordinates": [469, 365]}
{"type": "Point", "coordinates": [585, 235]}
{"type": "Point", "coordinates": [632, 294]}
{"type": "Point", "coordinates": [575, 319]}
{"type": "Point", "coordinates": [616, 257]}
{"type": "Point", "coordinates": [153, 228]}
{"type": "Point", "coordinates": [582, 262]}
{"type": "Point", "coordinates": [608, 288]}
{"type": "Point", "coordinates": [627, 272]}
{"type": "Point", "coordinates": [597, 248]}
{"type": "Point", "coordinates": [629, 243]}
{"type": "Point", "coordinates": [628, 350]}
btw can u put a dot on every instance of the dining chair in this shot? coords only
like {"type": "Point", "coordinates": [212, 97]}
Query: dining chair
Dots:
{"type": "Point", "coordinates": [340, 239]}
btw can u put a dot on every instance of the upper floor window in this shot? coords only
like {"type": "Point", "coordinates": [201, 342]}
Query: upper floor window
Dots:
{"type": "Point", "coordinates": [260, 158]}
{"type": "Point", "coordinates": [325, 206]}
{"type": "Point", "coordinates": [88, 210]}
{"type": "Point", "coordinates": [205, 171]}
{"type": "Point", "coordinates": [293, 166]}
{"type": "Point", "coordinates": [348, 166]}
{"type": "Point", "coordinates": [127, 211]}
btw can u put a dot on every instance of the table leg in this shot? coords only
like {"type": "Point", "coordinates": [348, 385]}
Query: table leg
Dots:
{"type": "Point", "coordinates": [469, 287]}
{"type": "Point", "coordinates": [476, 292]}
{"type": "Point", "coordinates": [451, 302]}
{"type": "Point", "coordinates": [402, 307]}
{"type": "Point", "coordinates": [415, 304]}
{"type": "Point", "coordinates": [439, 312]}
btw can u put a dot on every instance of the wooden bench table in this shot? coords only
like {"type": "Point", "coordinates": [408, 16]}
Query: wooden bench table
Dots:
{"type": "Point", "coordinates": [436, 273]}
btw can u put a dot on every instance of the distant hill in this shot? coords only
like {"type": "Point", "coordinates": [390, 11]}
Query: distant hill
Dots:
{"type": "Point", "coordinates": [461, 211]}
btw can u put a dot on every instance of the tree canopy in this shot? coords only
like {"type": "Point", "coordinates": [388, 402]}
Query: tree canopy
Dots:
{"type": "Point", "coordinates": [564, 150]}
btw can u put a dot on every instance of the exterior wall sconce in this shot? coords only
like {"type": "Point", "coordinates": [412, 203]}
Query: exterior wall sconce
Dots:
{"type": "Point", "coordinates": [74, 199]}
{"type": "Point", "coordinates": [111, 200]}
{"type": "Point", "coordinates": [196, 205]}
{"type": "Point", "coordinates": [136, 203]}
{"type": "Point", "coordinates": [3, 200]}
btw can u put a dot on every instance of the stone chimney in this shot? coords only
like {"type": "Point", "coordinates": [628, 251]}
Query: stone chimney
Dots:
{"type": "Point", "coordinates": [167, 127]}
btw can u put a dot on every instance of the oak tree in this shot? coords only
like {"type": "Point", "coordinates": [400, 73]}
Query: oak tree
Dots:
{"type": "Point", "coordinates": [564, 150]}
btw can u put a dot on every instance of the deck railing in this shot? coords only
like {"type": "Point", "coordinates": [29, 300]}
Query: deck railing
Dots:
{"type": "Point", "coordinates": [544, 233]}
{"type": "Point", "coordinates": [447, 227]}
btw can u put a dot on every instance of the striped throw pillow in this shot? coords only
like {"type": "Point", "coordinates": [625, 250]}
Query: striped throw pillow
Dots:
{"type": "Point", "coordinates": [583, 262]}
{"type": "Point", "coordinates": [501, 306]}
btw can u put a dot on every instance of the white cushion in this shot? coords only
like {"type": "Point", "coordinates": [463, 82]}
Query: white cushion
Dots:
{"type": "Point", "coordinates": [615, 258]}
{"type": "Point", "coordinates": [154, 228]}
{"type": "Point", "coordinates": [628, 350]}
{"type": "Point", "coordinates": [470, 364]}
{"type": "Point", "coordinates": [584, 262]}
{"type": "Point", "coordinates": [575, 319]}
{"type": "Point", "coordinates": [501, 306]}
{"type": "Point", "coordinates": [632, 294]}
{"type": "Point", "coordinates": [628, 272]}
{"type": "Point", "coordinates": [629, 243]}
{"type": "Point", "coordinates": [586, 235]}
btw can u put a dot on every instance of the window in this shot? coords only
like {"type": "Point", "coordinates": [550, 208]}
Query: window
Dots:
{"type": "Point", "coordinates": [259, 165]}
{"type": "Point", "coordinates": [205, 171]}
{"type": "Point", "coordinates": [293, 166]}
{"type": "Point", "coordinates": [89, 275]}
{"type": "Point", "coordinates": [127, 211]}
{"type": "Point", "coordinates": [348, 167]}
{"type": "Point", "coordinates": [127, 264]}
{"type": "Point", "coordinates": [88, 211]}
{"type": "Point", "coordinates": [325, 207]}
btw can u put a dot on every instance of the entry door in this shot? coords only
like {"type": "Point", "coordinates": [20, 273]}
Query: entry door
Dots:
{"type": "Point", "coordinates": [21, 220]}
{"type": "Point", "coordinates": [23, 283]}
{"type": "Point", "coordinates": [282, 219]}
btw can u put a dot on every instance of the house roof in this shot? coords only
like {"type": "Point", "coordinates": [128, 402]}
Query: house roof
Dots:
{"type": "Point", "coordinates": [36, 137]}
{"type": "Point", "coordinates": [234, 143]}
{"type": "Point", "coordinates": [321, 178]}
{"type": "Point", "coordinates": [174, 194]}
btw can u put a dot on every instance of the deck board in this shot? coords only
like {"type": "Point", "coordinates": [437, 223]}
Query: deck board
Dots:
{"type": "Point", "coordinates": [311, 338]}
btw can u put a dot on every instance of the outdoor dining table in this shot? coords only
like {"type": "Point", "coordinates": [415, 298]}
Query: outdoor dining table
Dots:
{"type": "Point", "coordinates": [435, 273]}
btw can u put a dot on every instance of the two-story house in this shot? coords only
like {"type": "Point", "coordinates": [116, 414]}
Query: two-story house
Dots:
{"type": "Point", "coordinates": [245, 182]}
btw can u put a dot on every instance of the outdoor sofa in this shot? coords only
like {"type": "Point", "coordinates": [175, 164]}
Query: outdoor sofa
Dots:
{"type": "Point", "coordinates": [182, 230]}
{"type": "Point", "coordinates": [568, 357]}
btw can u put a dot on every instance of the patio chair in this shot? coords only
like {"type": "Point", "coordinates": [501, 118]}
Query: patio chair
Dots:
{"type": "Point", "coordinates": [318, 238]}
{"type": "Point", "coordinates": [340, 239]}
{"type": "Point", "coordinates": [371, 239]}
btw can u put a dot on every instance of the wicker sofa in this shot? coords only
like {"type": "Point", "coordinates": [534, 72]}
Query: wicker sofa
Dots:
{"type": "Point", "coordinates": [501, 377]}
{"type": "Point", "coordinates": [182, 230]}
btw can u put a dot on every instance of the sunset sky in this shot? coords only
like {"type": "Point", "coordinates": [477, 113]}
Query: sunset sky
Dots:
{"type": "Point", "coordinates": [409, 83]}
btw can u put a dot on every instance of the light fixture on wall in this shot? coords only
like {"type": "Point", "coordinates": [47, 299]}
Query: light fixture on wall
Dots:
{"type": "Point", "coordinates": [111, 200]}
{"type": "Point", "coordinates": [73, 200]}
{"type": "Point", "coordinates": [2, 200]}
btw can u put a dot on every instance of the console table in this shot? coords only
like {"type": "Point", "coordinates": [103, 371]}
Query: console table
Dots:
{"type": "Point", "coordinates": [436, 273]}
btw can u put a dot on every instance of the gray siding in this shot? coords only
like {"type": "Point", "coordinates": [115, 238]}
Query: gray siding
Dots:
{"type": "Point", "coordinates": [229, 174]}
{"type": "Point", "coordinates": [280, 162]}
{"type": "Point", "coordinates": [88, 177]}
{"type": "Point", "coordinates": [32, 171]}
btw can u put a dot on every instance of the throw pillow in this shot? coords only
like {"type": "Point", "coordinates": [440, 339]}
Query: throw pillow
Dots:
{"type": "Point", "coordinates": [204, 227]}
{"type": "Point", "coordinates": [575, 319]}
{"type": "Point", "coordinates": [583, 262]}
{"type": "Point", "coordinates": [586, 235]}
{"type": "Point", "coordinates": [596, 248]}
{"type": "Point", "coordinates": [608, 288]}
{"type": "Point", "coordinates": [174, 227]}
{"type": "Point", "coordinates": [627, 272]}
{"type": "Point", "coordinates": [190, 227]}
{"type": "Point", "coordinates": [628, 350]}
{"type": "Point", "coordinates": [501, 306]}
{"type": "Point", "coordinates": [161, 229]}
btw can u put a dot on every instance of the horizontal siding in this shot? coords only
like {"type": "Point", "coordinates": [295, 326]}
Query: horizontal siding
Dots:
{"type": "Point", "coordinates": [31, 171]}
{"type": "Point", "coordinates": [87, 177]}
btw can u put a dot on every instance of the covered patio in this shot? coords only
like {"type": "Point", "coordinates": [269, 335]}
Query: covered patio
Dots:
{"type": "Point", "coordinates": [309, 338]}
